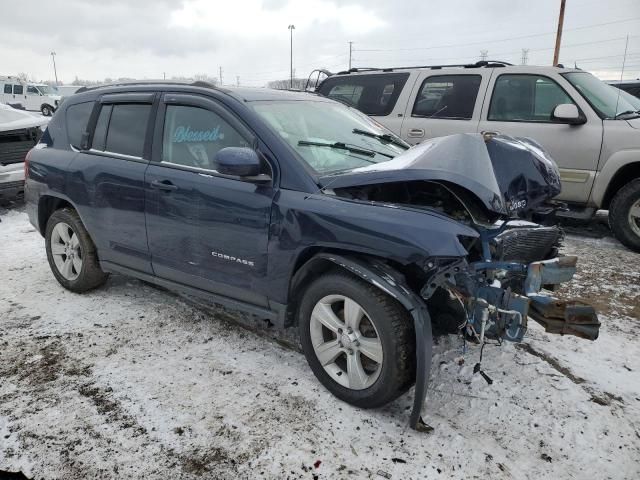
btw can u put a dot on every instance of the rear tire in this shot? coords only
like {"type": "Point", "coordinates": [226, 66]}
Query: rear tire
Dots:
{"type": "Point", "coordinates": [71, 253]}
{"type": "Point", "coordinates": [624, 215]}
{"type": "Point", "coordinates": [368, 354]}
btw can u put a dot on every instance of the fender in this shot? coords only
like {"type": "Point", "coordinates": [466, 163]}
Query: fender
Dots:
{"type": "Point", "coordinates": [391, 282]}
{"type": "Point", "coordinates": [612, 165]}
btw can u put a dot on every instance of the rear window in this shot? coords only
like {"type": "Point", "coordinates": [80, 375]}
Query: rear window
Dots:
{"type": "Point", "coordinates": [122, 128]}
{"type": "Point", "coordinates": [374, 94]}
{"type": "Point", "coordinates": [77, 117]}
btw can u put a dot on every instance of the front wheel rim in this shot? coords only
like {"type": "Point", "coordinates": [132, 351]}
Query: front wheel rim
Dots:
{"type": "Point", "coordinates": [346, 342]}
{"type": "Point", "coordinates": [634, 217]}
{"type": "Point", "coordinates": [66, 251]}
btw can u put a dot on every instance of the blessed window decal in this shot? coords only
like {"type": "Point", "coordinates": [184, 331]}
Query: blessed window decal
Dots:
{"type": "Point", "coordinates": [185, 134]}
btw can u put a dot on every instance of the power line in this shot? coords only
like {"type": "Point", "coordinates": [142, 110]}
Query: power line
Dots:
{"type": "Point", "coordinates": [494, 41]}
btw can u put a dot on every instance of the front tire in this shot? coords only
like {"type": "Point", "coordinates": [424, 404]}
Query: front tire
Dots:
{"type": "Point", "coordinates": [46, 110]}
{"type": "Point", "coordinates": [624, 215]}
{"type": "Point", "coordinates": [71, 253]}
{"type": "Point", "coordinates": [358, 341]}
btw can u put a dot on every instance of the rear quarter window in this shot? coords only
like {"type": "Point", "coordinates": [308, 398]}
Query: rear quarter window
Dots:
{"type": "Point", "coordinates": [374, 94]}
{"type": "Point", "coordinates": [77, 117]}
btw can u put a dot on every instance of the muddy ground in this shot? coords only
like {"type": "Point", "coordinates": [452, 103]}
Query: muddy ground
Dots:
{"type": "Point", "coordinates": [130, 381]}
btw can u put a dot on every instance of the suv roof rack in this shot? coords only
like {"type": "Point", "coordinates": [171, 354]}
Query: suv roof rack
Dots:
{"type": "Point", "coordinates": [196, 83]}
{"type": "Point", "coordinates": [480, 64]}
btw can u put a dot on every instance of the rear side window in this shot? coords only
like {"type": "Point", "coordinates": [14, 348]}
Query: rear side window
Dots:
{"type": "Point", "coordinates": [77, 117]}
{"type": "Point", "coordinates": [374, 94]}
{"type": "Point", "coordinates": [7, 88]}
{"type": "Point", "coordinates": [525, 98]}
{"type": "Point", "coordinates": [447, 96]}
{"type": "Point", "coordinates": [122, 128]}
{"type": "Point", "coordinates": [18, 89]}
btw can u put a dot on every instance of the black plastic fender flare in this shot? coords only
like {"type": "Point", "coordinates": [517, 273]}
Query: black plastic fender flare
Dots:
{"type": "Point", "coordinates": [389, 281]}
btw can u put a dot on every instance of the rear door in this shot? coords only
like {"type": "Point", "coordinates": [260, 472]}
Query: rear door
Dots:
{"type": "Point", "coordinates": [205, 230]}
{"type": "Point", "coordinates": [521, 104]}
{"type": "Point", "coordinates": [444, 104]}
{"type": "Point", "coordinates": [107, 179]}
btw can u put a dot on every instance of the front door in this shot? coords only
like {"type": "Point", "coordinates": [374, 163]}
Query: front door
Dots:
{"type": "Point", "coordinates": [521, 106]}
{"type": "Point", "coordinates": [444, 104]}
{"type": "Point", "coordinates": [205, 230]}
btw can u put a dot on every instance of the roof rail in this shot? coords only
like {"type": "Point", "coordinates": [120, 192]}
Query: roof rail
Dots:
{"type": "Point", "coordinates": [196, 83]}
{"type": "Point", "coordinates": [480, 64]}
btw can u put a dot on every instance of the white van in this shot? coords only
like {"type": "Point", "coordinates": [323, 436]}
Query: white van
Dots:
{"type": "Point", "coordinates": [35, 97]}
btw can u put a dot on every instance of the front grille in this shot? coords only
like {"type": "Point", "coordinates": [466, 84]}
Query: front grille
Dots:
{"type": "Point", "coordinates": [527, 244]}
{"type": "Point", "coordinates": [15, 144]}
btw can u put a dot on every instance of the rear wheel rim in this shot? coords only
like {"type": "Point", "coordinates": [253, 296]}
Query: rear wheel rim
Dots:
{"type": "Point", "coordinates": [346, 342]}
{"type": "Point", "coordinates": [66, 251]}
{"type": "Point", "coordinates": [634, 217]}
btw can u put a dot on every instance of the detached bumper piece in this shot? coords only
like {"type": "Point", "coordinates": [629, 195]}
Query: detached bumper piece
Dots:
{"type": "Point", "coordinates": [565, 317]}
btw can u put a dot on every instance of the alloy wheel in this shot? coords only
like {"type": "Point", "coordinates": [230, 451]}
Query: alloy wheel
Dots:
{"type": "Point", "coordinates": [66, 251]}
{"type": "Point", "coordinates": [634, 217]}
{"type": "Point", "coordinates": [346, 342]}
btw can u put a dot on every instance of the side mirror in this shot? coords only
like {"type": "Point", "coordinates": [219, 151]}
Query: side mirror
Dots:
{"type": "Point", "coordinates": [568, 113]}
{"type": "Point", "coordinates": [238, 162]}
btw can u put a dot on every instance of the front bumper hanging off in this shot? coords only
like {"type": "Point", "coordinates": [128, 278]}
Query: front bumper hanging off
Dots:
{"type": "Point", "coordinates": [557, 316]}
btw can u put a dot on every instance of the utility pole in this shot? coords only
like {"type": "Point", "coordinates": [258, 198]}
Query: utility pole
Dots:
{"type": "Point", "coordinates": [525, 56]}
{"type": "Point", "coordinates": [350, 53]}
{"type": "Point", "coordinates": [484, 54]}
{"type": "Point", "coordinates": [237, 80]}
{"type": "Point", "coordinates": [291, 29]}
{"type": "Point", "coordinates": [55, 72]}
{"type": "Point", "coordinates": [220, 69]}
{"type": "Point", "coordinates": [556, 52]}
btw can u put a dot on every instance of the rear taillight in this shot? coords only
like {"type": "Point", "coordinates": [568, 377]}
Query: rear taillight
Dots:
{"type": "Point", "coordinates": [26, 164]}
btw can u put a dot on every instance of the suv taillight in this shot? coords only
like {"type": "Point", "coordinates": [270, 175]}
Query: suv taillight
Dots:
{"type": "Point", "coordinates": [26, 164]}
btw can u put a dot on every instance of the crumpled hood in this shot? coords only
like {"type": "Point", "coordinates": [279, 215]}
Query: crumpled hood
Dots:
{"type": "Point", "coordinates": [13, 119]}
{"type": "Point", "coordinates": [509, 175]}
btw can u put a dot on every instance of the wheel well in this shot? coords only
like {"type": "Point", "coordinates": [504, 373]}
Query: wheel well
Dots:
{"type": "Point", "coordinates": [308, 267]}
{"type": "Point", "coordinates": [623, 176]}
{"type": "Point", "coordinates": [46, 206]}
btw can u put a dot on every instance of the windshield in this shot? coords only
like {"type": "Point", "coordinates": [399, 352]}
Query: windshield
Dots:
{"type": "Point", "coordinates": [608, 101]}
{"type": "Point", "coordinates": [329, 136]}
{"type": "Point", "coordinates": [47, 90]}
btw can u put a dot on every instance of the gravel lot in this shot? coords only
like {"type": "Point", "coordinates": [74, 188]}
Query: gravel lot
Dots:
{"type": "Point", "coordinates": [130, 381]}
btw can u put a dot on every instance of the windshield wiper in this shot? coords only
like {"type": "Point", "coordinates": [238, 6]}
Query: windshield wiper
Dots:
{"type": "Point", "coordinates": [383, 137]}
{"type": "Point", "coordinates": [627, 112]}
{"type": "Point", "coordinates": [341, 146]}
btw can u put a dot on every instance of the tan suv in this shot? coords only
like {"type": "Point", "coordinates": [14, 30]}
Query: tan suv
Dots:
{"type": "Point", "coordinates": [591, 129]}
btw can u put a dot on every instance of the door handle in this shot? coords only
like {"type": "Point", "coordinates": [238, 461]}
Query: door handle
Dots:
{"type": "Point", "coordinates": [165, 185]}
{"type": "Point", "coordinates": [415, 133]}
{"type": "Point", "coordinates": [489, 133]}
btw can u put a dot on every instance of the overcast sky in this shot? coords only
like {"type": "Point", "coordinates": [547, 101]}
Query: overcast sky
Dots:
{"type": "Point", "coordinates": [95, 39]}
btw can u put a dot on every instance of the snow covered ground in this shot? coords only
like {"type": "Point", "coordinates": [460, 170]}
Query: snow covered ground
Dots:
{"type": "Point", "coordinates": [130, 381]}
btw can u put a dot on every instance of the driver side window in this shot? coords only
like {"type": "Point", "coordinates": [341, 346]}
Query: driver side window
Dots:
{"type": "Point", "coordinates": [193, 136]}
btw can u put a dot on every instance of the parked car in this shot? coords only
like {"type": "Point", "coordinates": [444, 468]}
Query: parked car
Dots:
{"type": "Point", "coordinates": [591, 131]}
{"type": "Point", "coordinates": [305, 212]}
{"type": "Point", "coordinates": [632, 87]}
{"type": "Point", "coordinates": [19, 132]}
{"type": "Point", "coordinates": [32, 96]}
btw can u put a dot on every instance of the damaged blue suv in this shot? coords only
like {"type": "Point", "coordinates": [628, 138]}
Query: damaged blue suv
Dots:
{"type": "Point", "coordinates": [303, 211]}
